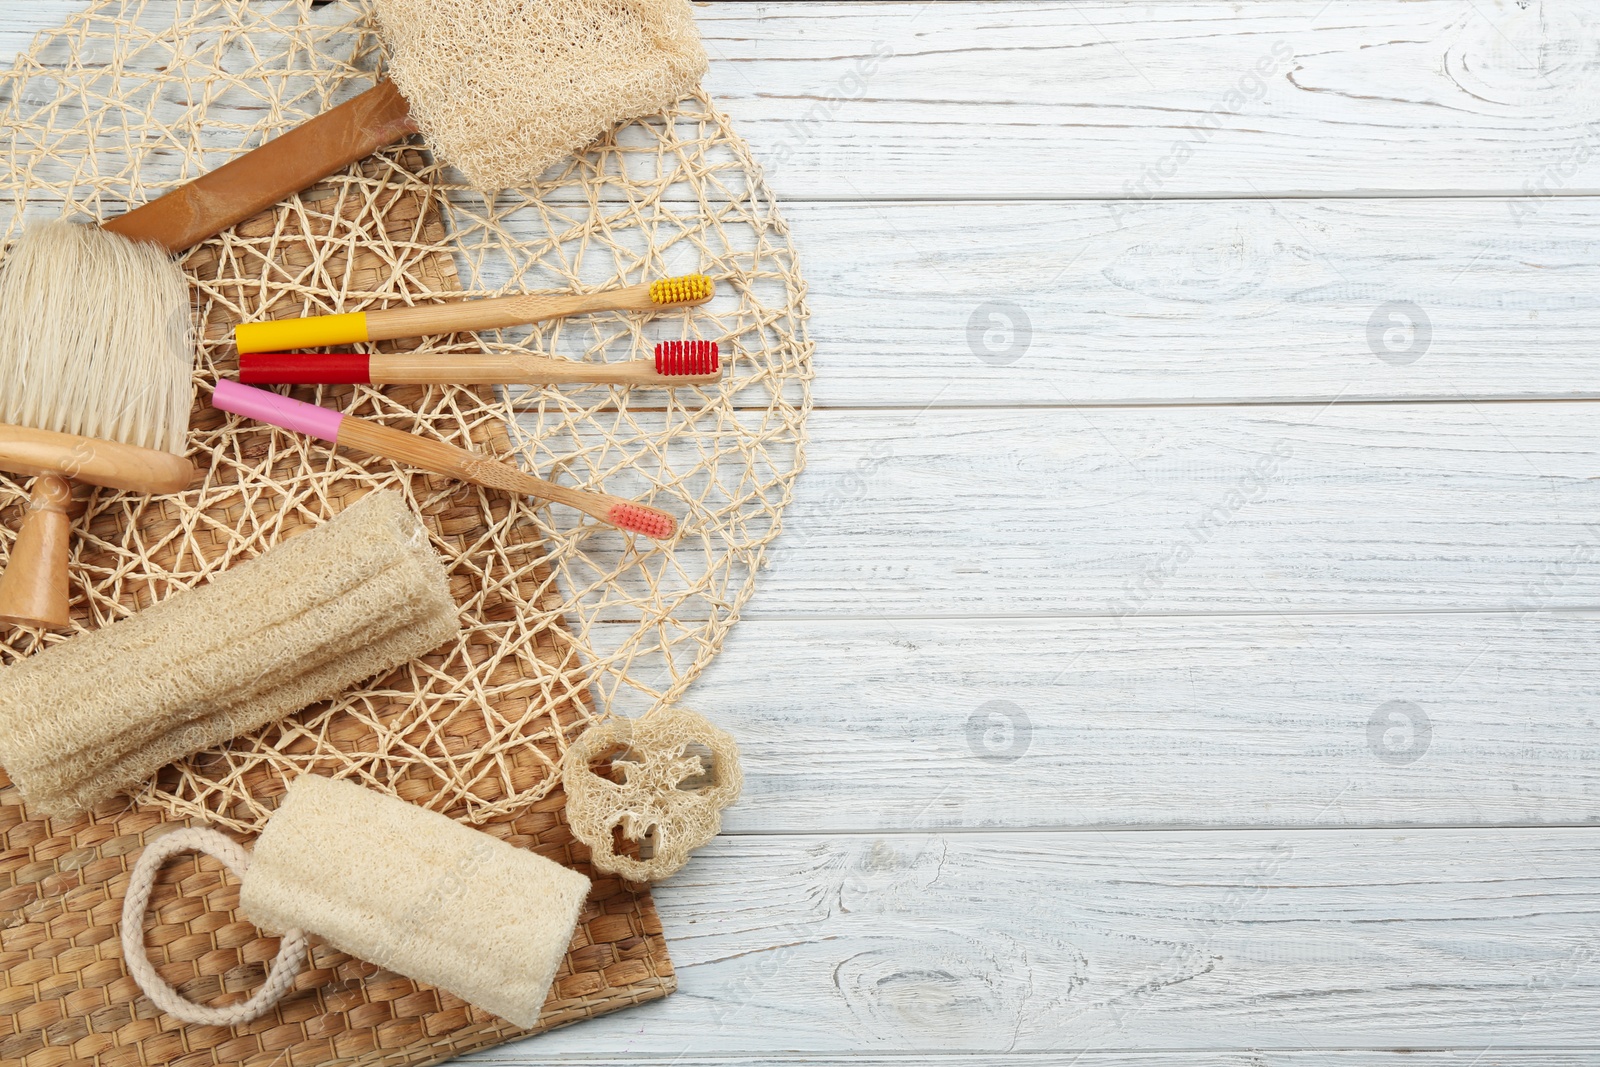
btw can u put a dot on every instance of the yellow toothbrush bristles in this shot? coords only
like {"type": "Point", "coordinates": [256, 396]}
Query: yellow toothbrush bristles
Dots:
{"type": "Point", "coordinates": [685, 289]}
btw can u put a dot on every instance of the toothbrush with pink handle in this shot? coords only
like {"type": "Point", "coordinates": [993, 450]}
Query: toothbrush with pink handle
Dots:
{"type": "Point", "coordinates": [431, 455]}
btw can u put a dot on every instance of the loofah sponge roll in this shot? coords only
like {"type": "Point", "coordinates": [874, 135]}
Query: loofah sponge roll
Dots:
{"type": "Point", "coordinates": [350, 600]}
{"type": "Point", "coordinates": [504, 88]}
{"type": "Point", "coordinates": [417, 893]}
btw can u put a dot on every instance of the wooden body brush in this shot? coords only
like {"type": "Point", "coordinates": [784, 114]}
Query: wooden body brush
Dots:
{"type": "Point", "coordinates": [433, 455]}
{"type": "Point", "coordinates": [676, 363]}
{"type": "Point", "coordinates": [104, 383]}
{"type": "Point", "coordinates": [95, 391]}
{"type": "Point", "coordinates": [285, 165]}
{"type": "Point", "coordinates": [460, 316]}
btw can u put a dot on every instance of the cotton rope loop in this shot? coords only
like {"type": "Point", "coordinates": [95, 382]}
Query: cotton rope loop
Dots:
{"type": "Point", "coordinates": [291, 951]}
{"type": "Point", "coordinates": [566, 621]}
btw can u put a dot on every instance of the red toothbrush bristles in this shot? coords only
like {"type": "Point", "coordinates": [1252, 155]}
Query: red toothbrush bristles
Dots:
{"type": "Point", "coordinates": [643, 521]}
{"type": "Point", "coordinates": [682, 358]}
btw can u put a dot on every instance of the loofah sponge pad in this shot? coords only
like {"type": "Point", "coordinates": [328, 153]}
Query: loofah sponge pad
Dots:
{"type": "Point", "coordinates": [415, 892]}
{"type": "Point", "coordinates": [504, 88]}
{"type": "Point", "coordinates": [350, 600]}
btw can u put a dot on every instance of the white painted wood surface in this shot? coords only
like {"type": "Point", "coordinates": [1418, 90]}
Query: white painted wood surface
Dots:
{"type": "Point", "coordinates": [1242, 721]}
{"type": "Point", "coordinates": [1051, 942]}
{"type": "Point", "coordinates": [1152, 510]}
{"type": "Point", "coordinates": [1036, 100]}
{"type": "Point", "coordinates": [1124, 693]}
{"type": "Point", "coordinates": [1051, 303]}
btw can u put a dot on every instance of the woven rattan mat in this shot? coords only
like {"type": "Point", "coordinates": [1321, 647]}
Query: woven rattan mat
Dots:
{"type": "Point", "coordinates": [65, 996]}
{"type": "Point", "coordinates": [130, 98]}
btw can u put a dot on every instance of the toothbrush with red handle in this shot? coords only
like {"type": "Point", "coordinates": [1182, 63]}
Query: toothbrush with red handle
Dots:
{"type": "Point", "coordinates": [675, 363]}
{"type": "Point", "coordinates": [437, 456]}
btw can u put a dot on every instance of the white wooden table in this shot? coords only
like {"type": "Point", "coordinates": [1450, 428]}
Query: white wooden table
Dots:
{"type": "Point", "coordinates": [1181, 650]}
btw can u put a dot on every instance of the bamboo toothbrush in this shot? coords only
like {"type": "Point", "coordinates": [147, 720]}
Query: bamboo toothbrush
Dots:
{"type": "Point", "coordinates": [437, 456]}
{"type": "Point", "coordinates": [676, 363]}
{"type": "Point", "coordinates": [460, 316]}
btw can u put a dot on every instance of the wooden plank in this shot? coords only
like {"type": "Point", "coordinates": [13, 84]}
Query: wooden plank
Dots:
{"type": "Point", "coordinates": [1208, 300]}
{"type": "Point", "coordinates": [1264, 721]}
{"type": "Point", "coordinates": [1114, 512]}
{"type": "Point", "coordinates": [1004, 943]}
{"type": "Point", "coordinates": [1108, 99]}
{"type": "Point", "coordinates": [531, 1054]}
{"type": "Point", "coordinates": [23, 20]}
{"type": "Point", "coordinates": [1137, 101]}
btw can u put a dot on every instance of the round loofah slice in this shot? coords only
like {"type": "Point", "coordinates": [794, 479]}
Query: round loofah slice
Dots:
{"type": "Point", "coordinates": [660, 792]}
{"type": "Point", "coordinates": [504, 88]}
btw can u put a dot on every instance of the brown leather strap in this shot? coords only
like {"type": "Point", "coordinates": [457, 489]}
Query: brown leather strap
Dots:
{"type": "Point", "coordinates": [262, 177]}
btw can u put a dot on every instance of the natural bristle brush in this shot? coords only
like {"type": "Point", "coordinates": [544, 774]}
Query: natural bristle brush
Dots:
{"type": "Point", "coordinates": [96, 364]}
{"type": "Point", "coordinates": [676, 363]}
{"type": "Point", "coordinates": [463, 316]}
{"type": "Point", "coordinates": [439, 457]}
{"type": "Point", "coordinates": [95, 344]}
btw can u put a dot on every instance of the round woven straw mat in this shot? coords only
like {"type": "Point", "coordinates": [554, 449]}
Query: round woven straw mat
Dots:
{"type": "Point", "coordinates": [565, 620]}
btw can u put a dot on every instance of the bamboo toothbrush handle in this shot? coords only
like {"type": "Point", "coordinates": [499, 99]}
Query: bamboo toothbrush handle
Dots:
{"type": "Point", "coordinates": [518, 370]}
{"type": "Point", "coordinates": [444, 458]}
{"type": "Point", "coordinates": [287, 164]}
{"type": "Point", "coordinates": [485, 369]}
{"type": "Point", "coordinates": [33, 590]}
{"type": "Point", "coordinates": [433, 455]}
{"type": "Point", "coordinates": [424, 320]}
{"type": "Point", "coordinates": [700, 366]}
{"type": "Point", "coordinates": [495, 313]}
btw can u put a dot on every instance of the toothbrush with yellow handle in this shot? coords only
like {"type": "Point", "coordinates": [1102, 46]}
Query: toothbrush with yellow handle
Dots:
{"type": "Point", "coordinates": [461, 316]}
{"type": "Point", "coordinates": [432, 455]}
{"type": "Point", "coordinates": [676, 363]}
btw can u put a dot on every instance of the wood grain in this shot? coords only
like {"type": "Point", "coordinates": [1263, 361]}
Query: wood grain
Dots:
{"type": "Point", "coordinates": [35, 589]}
{"type": "Point", "coordinates": [1226, 940]}
{"type": "Point", "coordinates": [1491, 1057]}
{"type": "Point", "coordinates": [1114, 512]}
{"type": "Point", "coordinates": [1052, 100]}
{"type": "Point", "coordinates": [1041, 304]}
{"type": "Point", "coordinates": [1264, 721]}
{"type": "Point", "coordinates": [1110, 100]}
{"type": "Point", "coordinates": [1013, 601]}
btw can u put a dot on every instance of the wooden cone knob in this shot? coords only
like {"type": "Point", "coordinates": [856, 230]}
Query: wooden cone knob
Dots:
{"type": "Point", "coordinates": [33, 590]}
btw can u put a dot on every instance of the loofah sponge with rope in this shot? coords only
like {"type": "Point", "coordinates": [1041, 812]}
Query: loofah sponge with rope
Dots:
{"type": "Point", "coordinates": [505, 88]}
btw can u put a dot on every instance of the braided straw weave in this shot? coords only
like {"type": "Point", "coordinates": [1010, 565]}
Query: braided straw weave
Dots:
{"type": "Point", "coordinates": [68, 999]}
{"type": "Point", "coordinates": [564, 620]}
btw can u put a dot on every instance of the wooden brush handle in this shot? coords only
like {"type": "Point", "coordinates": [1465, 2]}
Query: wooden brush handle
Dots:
{"type": "Point", "coordinates": [86, 459]}
{"type": "Point", "coordinates": [488, 369]}
{"type": "Point", "coordinates": [258, 179]}
{"type": "Point", "coordinates": [447, 459]}
{"type": "Point", "coordinates": [33, 590]}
